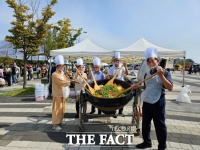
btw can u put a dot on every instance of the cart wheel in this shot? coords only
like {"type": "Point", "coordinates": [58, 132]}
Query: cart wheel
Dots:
{"type": "Point", "coordinates": [138, 132]}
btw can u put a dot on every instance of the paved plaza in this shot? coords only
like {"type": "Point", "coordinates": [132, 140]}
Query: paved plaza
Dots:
{"type": "Point", "coordinates": [26, 124]}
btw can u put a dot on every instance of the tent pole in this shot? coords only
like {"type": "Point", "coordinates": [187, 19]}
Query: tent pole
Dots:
{"type": "Point", "coordinates": [50, 71]}
{"type": "Point", "coordinates": [183, 71]}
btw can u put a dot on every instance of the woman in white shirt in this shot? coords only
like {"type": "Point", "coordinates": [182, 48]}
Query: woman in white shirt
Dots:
{"type": "Point", "coordinates": [78, 87]}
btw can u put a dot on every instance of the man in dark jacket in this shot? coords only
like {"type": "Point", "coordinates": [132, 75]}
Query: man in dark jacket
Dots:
{"type": "Point", "coordinates": [13, 69]}
{"type": "Point", "coordinates": [52, 69]}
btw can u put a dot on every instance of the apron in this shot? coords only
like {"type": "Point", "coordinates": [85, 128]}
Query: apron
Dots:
{"type": "Point", "coordinates": [153, 89]}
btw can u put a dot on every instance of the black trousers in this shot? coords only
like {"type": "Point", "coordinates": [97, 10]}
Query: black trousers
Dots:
{"type": "Point", "coordinates": [157, 113]}
{"type": "Point", "coordinates": [8, 76]}
{"type": "Point", "coordinates": [77, 107]}
{"type": "Point", "coordinates": [121, 110]}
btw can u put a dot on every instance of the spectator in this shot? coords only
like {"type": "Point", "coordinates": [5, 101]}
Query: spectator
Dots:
{"type": "Point", "coordinates": [14, 69]}
{"type": "Point", "coordinates": [17, 73]}
{"type": "Point", "coordinates": [38, 72]}
{"type": "Point", "coordinates": [43, 71]}
{"type": "Point", "coordinates": [28, 70]}
{"type": "Point", "coordinates": [181, 71]}
{"type": "Point", "coordinates": [53, 68]}
{"type": "Point", "coordinates": [2, 80]}
{"type": "Point", "coordinates": [22, 71]}
{"type": "Point", "coordinates": [86, 71]}
{"type": "Point", "coordinates": [195, 70]}
{"type": "Point", "coordinates": [31, 73]}
{"type": "Point", "coordinates": [46, 71]}
{"type": "Point", "coordinates": [1, 71]}
{"type": "Point", "coordinates": [8, 75]}
{"type": "Point", "coordinates": [106, 74]}
{"type": "Point", "coordinates": [173, 70]}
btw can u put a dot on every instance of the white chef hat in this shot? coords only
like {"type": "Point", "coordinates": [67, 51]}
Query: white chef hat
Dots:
{"type": "Point", "coordinates": [59, 60]}
{"type": "Point", "coordinates": [150, 52]}
{"type": "Point", "coordinates": [79, 62]}
{"type": "Point", "coordinates": [97, 61]}
{"type": "Point", "coordinates": [117, 54]}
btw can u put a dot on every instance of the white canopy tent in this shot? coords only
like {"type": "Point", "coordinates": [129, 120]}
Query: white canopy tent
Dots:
{"type": "Point", "coordinates": [86, 49]}
{"type": "Point", "coordinates": [138, 49]}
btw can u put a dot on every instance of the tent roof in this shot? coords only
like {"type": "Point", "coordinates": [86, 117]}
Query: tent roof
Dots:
{"type": "Point", "coordinates": [138, 48]}
{"type": "Point", "coordinates": [84, 48]}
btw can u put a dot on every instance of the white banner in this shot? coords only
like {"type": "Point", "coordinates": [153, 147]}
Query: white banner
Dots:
{"type": "Point", "coordinates": [11, 52]}
{"type": "Point", "coordinates": [40, 58]}
{"type": "Point", "coordinates": [41, 49]}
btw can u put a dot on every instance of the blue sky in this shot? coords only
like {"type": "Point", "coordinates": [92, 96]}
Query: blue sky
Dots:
{"type": "Point", "coordinates": [116, 24]}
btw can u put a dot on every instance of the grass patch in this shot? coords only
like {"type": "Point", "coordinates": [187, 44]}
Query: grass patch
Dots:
{"type": "Point", "coordinates": [20, 92]}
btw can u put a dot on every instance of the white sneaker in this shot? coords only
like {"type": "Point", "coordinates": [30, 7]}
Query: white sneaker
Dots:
{"type": "Point", "coordinates": [57, 128]}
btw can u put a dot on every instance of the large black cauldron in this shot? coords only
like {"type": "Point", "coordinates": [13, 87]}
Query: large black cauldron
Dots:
{"type": "Point", "coordinates": [110, 105]}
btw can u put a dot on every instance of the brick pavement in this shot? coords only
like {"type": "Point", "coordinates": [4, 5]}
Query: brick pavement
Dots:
{"type": "Point", "coordinates": [33, 131]}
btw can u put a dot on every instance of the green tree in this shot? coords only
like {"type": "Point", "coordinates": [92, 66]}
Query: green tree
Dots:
{"type": "Point", "coordinates": [28, 31]}
{"type": "Point", "coordinates": [6, 60]}
{"type": "Point", "coordinates": [61, 36]}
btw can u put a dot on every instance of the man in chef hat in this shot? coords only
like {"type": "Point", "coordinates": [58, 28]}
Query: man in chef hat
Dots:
{"type": "Point", "coordinates": [98, 75]}
{"type": "Point", "coordinates": [114, 69]}
{"type": "Point", "coordinates": [58, 82]}
{"type": "Point", "coordinates": [79, 87]}
{"type": "Point", "coordinates": [153, 98]}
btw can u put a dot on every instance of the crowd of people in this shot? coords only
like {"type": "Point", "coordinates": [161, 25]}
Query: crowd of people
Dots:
{"type": "Point", "coordinates": [10, 74]}
{"type": "Point", "coordinates": [194, 69]}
